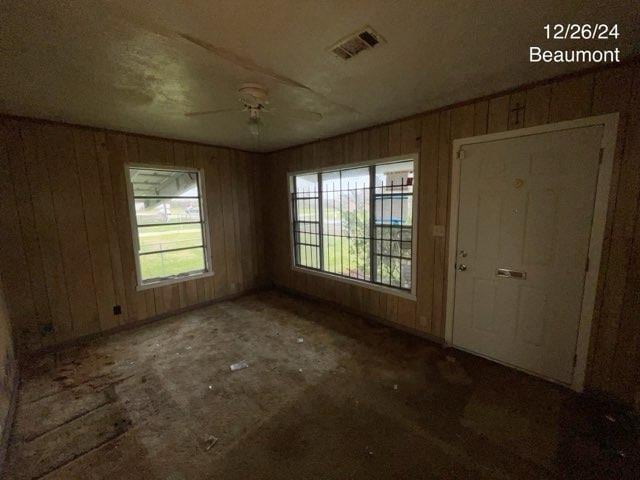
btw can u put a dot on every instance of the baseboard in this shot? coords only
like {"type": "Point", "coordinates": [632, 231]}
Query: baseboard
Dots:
{"type": "Point", "coordinates": [8, 421]}
{"type": "Point", "coordinates": [75, 342]}
{"type": "Point", "coordinates": [358, 313]}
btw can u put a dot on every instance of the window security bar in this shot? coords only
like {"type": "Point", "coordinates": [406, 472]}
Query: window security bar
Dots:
{"type": "Point", "coordinates": [361, 232]}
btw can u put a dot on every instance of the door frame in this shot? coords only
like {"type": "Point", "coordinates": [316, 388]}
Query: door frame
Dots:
{"type": "Point", "coordinates": [609, 136]}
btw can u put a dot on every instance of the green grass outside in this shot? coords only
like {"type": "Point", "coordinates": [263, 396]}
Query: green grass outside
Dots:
{"type": "Point", "coordinates": [167, 237]}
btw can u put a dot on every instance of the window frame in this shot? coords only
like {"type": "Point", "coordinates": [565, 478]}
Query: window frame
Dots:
{"type": "Point", "coordinates": [206, 243]}
{"type": "Point", "coordinates": [408, 294]}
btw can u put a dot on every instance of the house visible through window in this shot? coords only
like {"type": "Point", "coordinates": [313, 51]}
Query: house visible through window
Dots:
{"type": "Point", "coordinates": [356, 222]}
{"type": "Point", "coordinates": [170, 228]}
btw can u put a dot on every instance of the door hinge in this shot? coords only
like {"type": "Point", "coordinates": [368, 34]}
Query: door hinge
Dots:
{"type": "Point", "coordinates": [600, 155]}
{"type": "Point", "coordinates": [460, 154]}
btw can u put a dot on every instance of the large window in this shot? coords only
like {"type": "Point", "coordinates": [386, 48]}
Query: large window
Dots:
{"type": "Point", "coordinates": [356, 222]}
{"type": "Point", "coordinates": [169, 226]}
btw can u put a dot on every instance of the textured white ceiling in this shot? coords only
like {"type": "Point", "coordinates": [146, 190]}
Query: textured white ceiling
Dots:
{"type": "Point", "coordinates": [139, 65]}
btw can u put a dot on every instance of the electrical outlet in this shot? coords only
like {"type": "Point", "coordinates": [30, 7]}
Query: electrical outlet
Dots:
{"type": "Point", "coordinates": [117, 309]}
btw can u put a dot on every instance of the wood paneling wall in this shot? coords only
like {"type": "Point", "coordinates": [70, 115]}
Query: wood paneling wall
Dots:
{"type": "Point", "coordinates": [614, 364]}
{"type": "Point", "coordinates": [67, 258]}
{"type": "Point", "coordinates": [8, 376]}
{"type": "Point", "coordinates": [67, 253]}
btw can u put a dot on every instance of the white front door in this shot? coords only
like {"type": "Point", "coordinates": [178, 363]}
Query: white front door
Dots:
{"type": "Point", "coordinates": [525, 211]}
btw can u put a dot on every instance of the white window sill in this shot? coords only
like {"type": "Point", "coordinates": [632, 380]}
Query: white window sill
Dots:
{"type": "Point", "coordinates": [172, 281]}
{"type": "Point", "coordinates": [360, 283]}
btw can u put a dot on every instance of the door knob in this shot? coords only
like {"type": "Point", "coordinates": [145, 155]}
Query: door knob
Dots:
{"type": "Point", "coordinates": [462, 267]}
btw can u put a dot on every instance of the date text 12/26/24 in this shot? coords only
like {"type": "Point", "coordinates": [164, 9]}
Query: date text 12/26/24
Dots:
{"type": "Point", "coordinates": [586, 31]}
{"type": "Point", "coordinates": [573, 31]}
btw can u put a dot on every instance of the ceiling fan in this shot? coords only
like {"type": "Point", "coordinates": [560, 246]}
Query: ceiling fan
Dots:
{"type": "Point", "coordinates": [254, 98]}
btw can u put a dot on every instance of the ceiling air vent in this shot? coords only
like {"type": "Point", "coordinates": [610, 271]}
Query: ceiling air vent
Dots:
{"type": "Point", "coordinates": [356, 43]}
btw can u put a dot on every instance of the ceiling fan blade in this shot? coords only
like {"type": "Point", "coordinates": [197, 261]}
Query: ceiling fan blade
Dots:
{"type": "Point", "coordinates": [296, 114]}
{"type": "Point", "coordinates": [212, 112]}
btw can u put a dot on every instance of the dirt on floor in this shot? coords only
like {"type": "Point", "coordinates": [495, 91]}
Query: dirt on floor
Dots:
{"type": "Point", "coordinates": [326, 395]}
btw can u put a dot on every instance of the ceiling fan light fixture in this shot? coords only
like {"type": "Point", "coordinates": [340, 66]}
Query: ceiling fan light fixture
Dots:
{"type": "Point", "coordinates": [254, 99]}
{"type": "Point", "coordinates": [253, 95]}
{"type": "Point", "coordinates": [255, 125]}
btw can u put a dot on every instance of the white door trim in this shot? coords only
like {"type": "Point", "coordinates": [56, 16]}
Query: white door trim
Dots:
{"type": "Point", "coordinates": [610, 124]}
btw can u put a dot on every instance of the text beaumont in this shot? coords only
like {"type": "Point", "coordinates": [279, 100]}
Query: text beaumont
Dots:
{"type": "Point", "coordinates": [537, 55]}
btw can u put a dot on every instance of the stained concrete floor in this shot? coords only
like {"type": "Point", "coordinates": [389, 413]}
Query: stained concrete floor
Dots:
{"type": "Point", "coordinates": [355, 399]}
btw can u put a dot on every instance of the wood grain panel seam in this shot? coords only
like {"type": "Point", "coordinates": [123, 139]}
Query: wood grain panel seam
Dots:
{"type": "Point", "coordinates": [36, 152]}
{"type": "Point", "coordinates": [34, 322]}
{"type": "Point", "coordinates": [105, 215]}
{"type": "Point", "coordinates": [22, 228]}
{"type": "Point", "coordinates": [10, 418]}
{"type": "Point", "coordinates": [57, 235]}
{"type": "Point", "coordinates": [86, 225]}
{"type": "Point", "coordinates": [151, 293]}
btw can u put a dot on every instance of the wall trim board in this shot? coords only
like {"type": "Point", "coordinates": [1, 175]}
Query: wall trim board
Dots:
{"type": "Point", "coordinates": [9, 419]}
{"type": "Point", "coordinates": [357, 313]}
{"type": "Point", "coordinates": [84, 340]}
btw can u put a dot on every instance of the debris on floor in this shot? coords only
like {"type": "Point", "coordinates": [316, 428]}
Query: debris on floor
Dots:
{"type": "Point", "coordinates": [617, 429]}
{"type": "Point", "coordinates": [549, 433]}
{"type": "Point", "coordinates": [209, 442]}
{"type": "Point", "coordinates": [395, 386]}
{"type": "Point", "coordinates": [300, 340]}
{"type": "Point", "coordinates": [238, 366]}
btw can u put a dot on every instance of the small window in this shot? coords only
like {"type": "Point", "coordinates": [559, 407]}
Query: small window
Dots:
{"type": "Point", "coordinates": [356, 222]}
{"type": "Point", "coordinates": [169, 224]}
